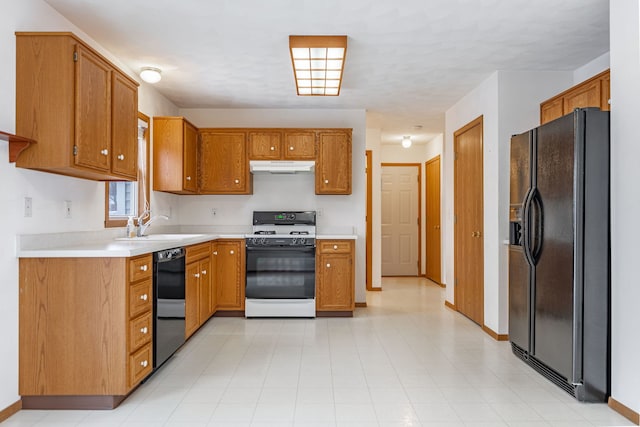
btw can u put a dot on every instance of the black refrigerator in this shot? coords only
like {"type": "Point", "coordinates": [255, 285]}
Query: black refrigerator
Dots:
{"type": "Point", "coordinates": [559, 262]}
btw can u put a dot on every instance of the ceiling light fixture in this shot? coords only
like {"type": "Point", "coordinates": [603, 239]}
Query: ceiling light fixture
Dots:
{"type": "Point", "coordinates": [406, 141]}
{"type": "Point", "coordinates": [318, 62]}
{"type": "Point", "coordinates": [150, 74]}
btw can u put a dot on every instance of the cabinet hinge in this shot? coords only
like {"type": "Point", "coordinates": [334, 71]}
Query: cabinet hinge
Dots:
{"type": "Point", "coordinates": [75, 150]}
{"type": "Point", "coordinates": [455, 219]}
{"type": "Point", "coordinates": [455, 155]}
{"type": "Point", "coordinates": [455, 282]}
{"type": "Point", "coordinates": [75, 56]}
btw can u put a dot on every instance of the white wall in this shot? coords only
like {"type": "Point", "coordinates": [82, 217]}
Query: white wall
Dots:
{"type": "Point", "coordinates": [592, 68]}
{"type": "Point", "coordinates": [509, 103]}
{"type": "Point", "coordinates": [47, 191]}
{"type": "Point", "coordinates": [625, 203]}
{"type": "Point", "coordinates": [340, 213]}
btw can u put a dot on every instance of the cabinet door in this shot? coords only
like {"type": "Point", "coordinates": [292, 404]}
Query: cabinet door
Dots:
{"type": "Point", "coordinates": [299, 145]}
{"type": "Point", "coordinates": [124, 127]}
{"type": "Point", "coordinates": [92, 111]}
{"type": "Point", "coordinates": [204, 288]}
{"type": "Point", "coordinates": [264, 145]}
{"type": "Point", "coordinates": [191, 296]}
{"type": "Point", "coordinates": [230, 275]}
{"type": "Point", "coordinates": [605, 94]}
{"type": "Point", "coordinates": [587, 95]}
{"type": "Point", "coordinates": [333, 165]}
{"type": "Point", "coordinates": [224, 167]}
{"type": "Point", "coordinates": [335, 289]}
{"type": "Point", "coordinates": [551, 110]}
{"type": "Point", "coordinates": [190, 175]}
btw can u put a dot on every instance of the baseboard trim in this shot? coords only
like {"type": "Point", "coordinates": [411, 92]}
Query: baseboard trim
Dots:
{"type": "Point", "coordinates": [442, 285]}
{"type": "Point", "coordinates": [14, 408]}
{"type": "Point", "coordinates": [450, 305]}
{"type": "Point", "coordinates": [496, 336]}
{"type": "Point", "coordinates": [375, 289]}
{"type": "Point", "coordinates": [334, 313]}
{"type": "Point", "coordinates": [229, 313]}
{"type": "Point", "coordinates": [72, 402]}
{"type": "Point", "coordinates": [361, 304]}
{"type": "Point", "coordinates": [623, 410]}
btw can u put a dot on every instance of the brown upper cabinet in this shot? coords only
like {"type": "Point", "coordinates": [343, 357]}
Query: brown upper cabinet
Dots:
{"type": "Point", "coordinates": [224, 165]}
{"type": "Point", "coordinates": [299, 144]}
{"type": "Point", "coordinates": [175, 162]}
{"type": "Point", "coordinates": [333, 164]}
{"type": "Point", "coordinates": [593, 92]}
{"type": "Point", "coordinates": [281, 144]}
{"type": "Point", "coordinates": [223, 154]}
{"type": "Point", "coordinates": [80, 109]}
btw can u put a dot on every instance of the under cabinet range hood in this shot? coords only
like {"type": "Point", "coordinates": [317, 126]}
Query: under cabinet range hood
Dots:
{"type": "Point", "coordinates": [281, 166]}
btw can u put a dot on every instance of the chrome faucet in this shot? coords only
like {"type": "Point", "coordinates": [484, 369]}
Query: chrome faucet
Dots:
{"type": "Point", "coordinates": [142, 228]}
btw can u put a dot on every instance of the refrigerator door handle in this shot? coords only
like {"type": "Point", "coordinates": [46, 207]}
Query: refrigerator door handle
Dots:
{"type": "Point", "coordinates": [538, 224]}
{"type": "Point", "coordinates": [526, 227]}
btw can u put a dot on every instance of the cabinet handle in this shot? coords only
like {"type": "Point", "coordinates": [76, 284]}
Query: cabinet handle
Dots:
{"type": "Point", "coordinates": [104, 152]}
{"type": "Point", "coordinates": [326, 181]}
{"type": "Point", "coordinates": [204, 271]}
{"type": "Point", "coordinates": [237, 181]}
{"type": "Point", "coordinates": [144, 267]}
{"type": "Point", "coordinates": [196, 275]}
{"type": "Point", "coordinates": [188, 178]}
{"type": "Point", "coordinates": [231, 252]}
{"type": "Point", "coordinates": [144, 330]}
{"type": "Point", "coordinates": [144, 363]}
{"type": "Point", "coordinates": [215, 252]}
{"type": "Point", "coordinates": [335, 246]}
{"type": "Point", "coordinates": [328, 265]}
{"type": "Point", "coordinates": [120, 156]}
{"type": "Point", "coordinates": [272, 148]}
{"type": "Point", "coordinates": [144, 297]}
{"type": "Point", "coordinates": [291, 148]}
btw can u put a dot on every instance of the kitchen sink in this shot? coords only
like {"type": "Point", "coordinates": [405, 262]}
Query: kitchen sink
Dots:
{"type": "Point", "coordinates": [159, 237]}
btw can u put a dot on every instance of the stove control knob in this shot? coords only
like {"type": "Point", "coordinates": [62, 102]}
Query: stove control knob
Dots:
{"type": "Point", "coordinates": [263, 241]}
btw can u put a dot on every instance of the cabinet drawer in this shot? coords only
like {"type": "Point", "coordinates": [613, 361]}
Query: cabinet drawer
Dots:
{"type": "Point", "coordinates": [195, 252]}
{"type": "Point", "coordinates": [140, 365]}
{"type": "Point", "coordinates": [140, 298]}
{"type": "Point", "coordinates": [334, 246]}
{"type": "Point", "coordinates": [140, 331]}
{"type": "Point", "coordinates": [140, 268]}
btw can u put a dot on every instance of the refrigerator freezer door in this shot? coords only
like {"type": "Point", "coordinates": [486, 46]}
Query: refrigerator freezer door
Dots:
{"type": "Point", "coordinates": [553, 291]}
{"type": "Point", "coordinates": [519, 268]}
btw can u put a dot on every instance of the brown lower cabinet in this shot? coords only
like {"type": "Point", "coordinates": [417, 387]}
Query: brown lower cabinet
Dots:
{"type": "Point", "coordinates": [335, 277]}
{"type": "Point", "coordinates": [85, 329]}
{"type": "Point", "coordinates": [230, 274]}
{"type": "Point", "coordinates": [198, 287]}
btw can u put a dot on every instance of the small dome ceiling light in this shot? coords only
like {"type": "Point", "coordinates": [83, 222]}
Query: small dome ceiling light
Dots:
{"type": "Point", "coordinates": [406, 141]}
{"type": "Point", "coordinates": [150, 74]}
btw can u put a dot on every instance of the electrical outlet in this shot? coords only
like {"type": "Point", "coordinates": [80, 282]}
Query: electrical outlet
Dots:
{"type": "Point", "coordinates": [28, 207]}
{"type": "Point", "coordinates": [320, 211]}
{"type": "Point", "coordinates": [67, 209]}
{"type": "Point", "coordinates": [214, 211]}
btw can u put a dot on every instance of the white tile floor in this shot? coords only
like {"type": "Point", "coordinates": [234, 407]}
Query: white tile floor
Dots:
{"type": "Point", "coordinates": [405, 360]}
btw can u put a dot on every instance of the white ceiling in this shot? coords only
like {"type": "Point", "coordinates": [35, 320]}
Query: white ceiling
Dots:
{"type": "Point", "coordinates": [407, 62]}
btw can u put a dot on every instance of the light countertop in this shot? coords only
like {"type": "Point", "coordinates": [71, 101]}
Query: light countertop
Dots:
{"type": "Point", "coordinates": [105, 245]}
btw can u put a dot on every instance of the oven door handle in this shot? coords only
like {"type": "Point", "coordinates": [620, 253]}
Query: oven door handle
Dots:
{"type": "Point", "coordinates": [282, 248]}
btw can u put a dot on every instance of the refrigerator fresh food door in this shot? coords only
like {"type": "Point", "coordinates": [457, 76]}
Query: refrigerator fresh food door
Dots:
{"type": "Point", "coordinates": [553, 245]}
{"type": "Point", "coordinates": [520, 269]}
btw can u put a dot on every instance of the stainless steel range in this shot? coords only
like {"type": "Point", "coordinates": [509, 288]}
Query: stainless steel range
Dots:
{"type": "Point", "coordinates": [281, 266]}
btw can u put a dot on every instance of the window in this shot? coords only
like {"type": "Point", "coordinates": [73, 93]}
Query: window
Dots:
{"type": "Point", "coordinates": [130, 198]}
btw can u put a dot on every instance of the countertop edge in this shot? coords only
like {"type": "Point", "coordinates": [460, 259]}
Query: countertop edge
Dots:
{"type": "Point", "coordinates": [126, 249]}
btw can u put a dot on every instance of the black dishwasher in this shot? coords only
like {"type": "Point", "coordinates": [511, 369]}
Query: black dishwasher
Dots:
{"type": "Point", "coordinates": [168, 303]}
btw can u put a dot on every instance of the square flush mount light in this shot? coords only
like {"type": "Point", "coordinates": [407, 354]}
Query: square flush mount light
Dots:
{"type": "Point", "coordinates": [318, 62]}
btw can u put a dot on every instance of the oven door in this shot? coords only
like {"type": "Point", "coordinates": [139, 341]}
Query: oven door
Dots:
{"type": "Point", "coordinates": [281, 272]}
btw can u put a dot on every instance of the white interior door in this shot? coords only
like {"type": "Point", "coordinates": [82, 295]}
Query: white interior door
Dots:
{"type": "Point", "coordinates": [399, 221]}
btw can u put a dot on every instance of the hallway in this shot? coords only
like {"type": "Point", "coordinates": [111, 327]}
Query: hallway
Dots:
{"type": "Point", "coordinates": [406, 360]}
